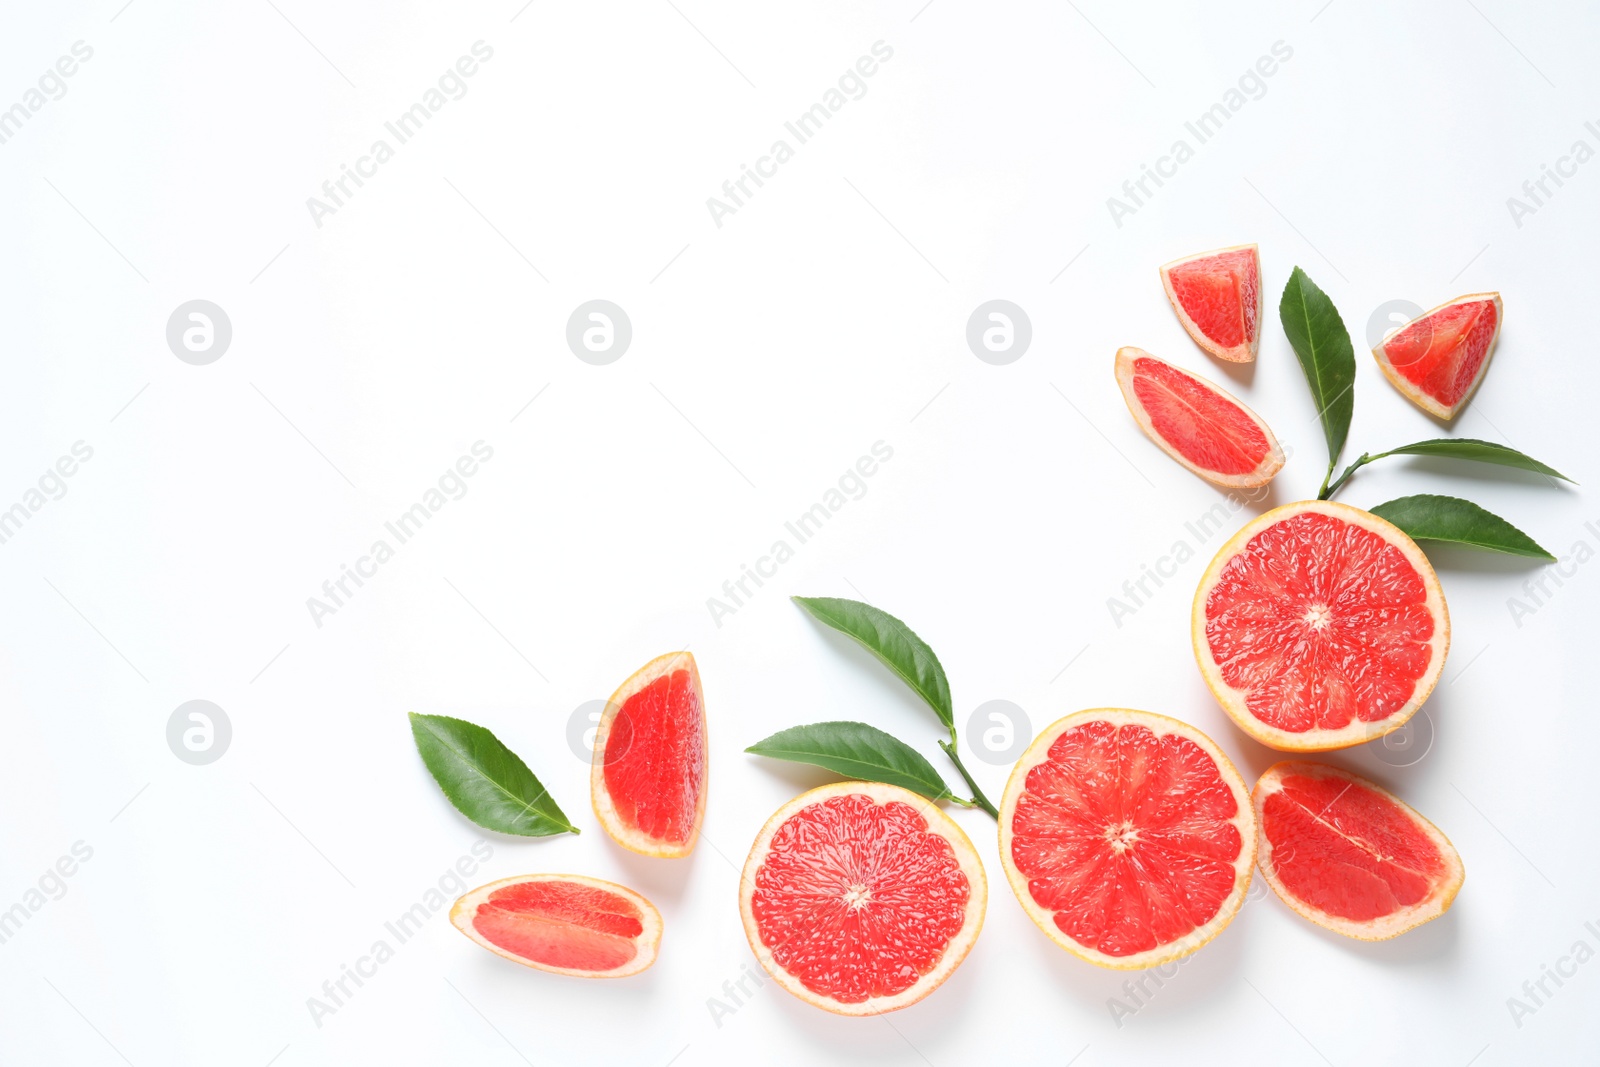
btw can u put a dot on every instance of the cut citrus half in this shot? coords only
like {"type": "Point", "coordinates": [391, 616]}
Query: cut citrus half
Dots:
{"type": "Point", "coordinates": [861, 897]}
{"type": "Point", "coordinates": [1350, 856]}
{"type": "Point", "coordinates": [1217, 296]}
{"type": "Point", "coordinates": [1438, 358]}
{"type": "Point", "coordinates": [1197, 423]}
{"type": "Point", "coordinates": [565, 923]}
{"type": "Point", "coordinates": [1127, 837]}
{"type": "Point", "coordinates": [1320, 626]}
{"type": "Point", "coordinates": [648, 778]}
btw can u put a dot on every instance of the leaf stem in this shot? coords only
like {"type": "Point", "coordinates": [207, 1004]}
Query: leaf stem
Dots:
{"type": "Point", "coordinates": [1328, 490]}
{"type": "Point", "coordinates": [978, 799]}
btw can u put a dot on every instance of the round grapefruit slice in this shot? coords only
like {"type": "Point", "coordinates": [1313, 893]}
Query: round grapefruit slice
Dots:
{"type": "Point", "coordinates": [1320, 626]}
{"type": "Point", "coordinates": [861, 898]}
{"type": "Point", "coordinates": [564, 923]}
{"type": "Point", "coordinates": [1197, 423]}
{"type": "Point", "coordinates": [1438, 358]}
{"type": "Point", "coordinates": [1350, 856]}
{"type": "Point", "coordinates": [648, 778]}
{"type": "Point", "coordinates": [1217, 296]}
{"type": "Point", "coordinates": [1128, 837]}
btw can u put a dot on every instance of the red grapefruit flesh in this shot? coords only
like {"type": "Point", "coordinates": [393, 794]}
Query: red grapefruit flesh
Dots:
{"type": "Point", "coordinates": [1350, 856]}
{"type": "Point", "coordinates": [1197, 423]}
{"type": "Point", "coordinates": [861, 898]}
{"type": "Point", "coordinates": [648, 779]}
{"type": "Point", "coordinates": [1319, 626]}
{"type": "Point", "coordinates": [1217, 296]}
{"type": "Point", "coordinates": [1127, 837]}
{"type": "Point", "coordinates": [1437, 359]}
{"type": "Point", "coordinates": [565, 923]}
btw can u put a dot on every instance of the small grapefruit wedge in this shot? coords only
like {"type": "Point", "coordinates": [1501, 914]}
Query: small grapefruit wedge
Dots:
{"type": "Point", "coordinates": [1197, 423]}
{"type": "Point", "coordinates": [861, 898]}
{"type": "Point", "coordinates": [1438, 358]}
{"type": "Point", "coordinates": [564, 923]}
{"type": "Point", "coordinates": [1320, 626]}
{"type": "Point", "coordinates": [1127, 837]}
{"type": "Point", "coordinates": [648, 778]}
{"type": "Point", "coordinates": [1350, 856]}
{"type": "Point", "coordinates": [1217, 296]}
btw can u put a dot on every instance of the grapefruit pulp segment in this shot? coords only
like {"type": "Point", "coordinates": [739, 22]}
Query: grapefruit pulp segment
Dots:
{"type": "Point", "coordinates": [1437, 359]}
{"type": "Point", "coordinates": [1217, 298]}
{"type": "Point", "coordinates": [564, 923]}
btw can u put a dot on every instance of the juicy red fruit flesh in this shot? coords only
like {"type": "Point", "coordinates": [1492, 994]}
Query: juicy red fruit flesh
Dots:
{"type": "Point", "coordinates": [1441, 354]}
{"type": "Point", "coordinates": [858, 899]}
{"type": "Point", "coordinates": [1219, 294]}
{"type": "Point", "coordinates": [655, 759]}
{"type": "Point", "coordinates": [1347, 850]}
{"type": "Point", "coordinates": [1207, 429]}
{"type": "Point", "coordinates": [561, 924]}
{"type": "Point", "coordinates": [1127, 837]}
{"type": "Point", "coordinates": [1321, 623]}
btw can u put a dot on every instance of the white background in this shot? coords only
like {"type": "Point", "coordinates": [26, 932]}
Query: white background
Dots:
{"type": "Point", "coordinates": [768, 354]}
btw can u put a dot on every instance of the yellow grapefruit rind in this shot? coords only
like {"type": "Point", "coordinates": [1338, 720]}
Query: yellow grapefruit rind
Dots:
{"type": "Point", "coordinates": [1264, 472]}
{"type": "Point", "coordinates": [648, 942]}
{"type": "Point", "coordinates": [1357, 732]}
{"type": "Point", "coordinates": [1379, 929]}
{"type": "Point", "coordinates": [630, 837]}
{"type": "Point", "coordinates": [1244, 820]}
{"type": "Point", "coordinates": [1417, 396]}
{"type": "Point", "coordinates": [939, 823]}
{"type": "Point", "coordinates": [1239, 353]}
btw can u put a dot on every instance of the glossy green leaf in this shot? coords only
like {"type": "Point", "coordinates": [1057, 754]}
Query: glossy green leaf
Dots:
{"type": "Point", "coordinates": [856, 750]}
{"type": "Point", "coordinates": [892, 642]}
{"type": "Point", "coordinates": [1322, 345]}
{"type": "Point", "coordinates": [484, 779]}
{"type": "Point", "coordinates": [1447, 518]}
{"type": "Point", "coordinates": [1478, 451]}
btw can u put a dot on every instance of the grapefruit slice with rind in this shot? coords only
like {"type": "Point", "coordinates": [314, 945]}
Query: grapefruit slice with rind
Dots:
{"type": "Point", "coordinates": [1127, 837]}
{"type": "Point", "coordinates": [1217, 296]}
{"type": "Point", "coordinates": [648, 776]}
{"type": "Point", "coordinates": [1320, 626]}
{"type": "Point", "coordinates": [563, 923]}
{"type": "Point", "coordinates": [1438, 359]}
{"type": "Point", "coordinates": [861, 898]}
{"type": "Point", "coordinates": [1198, 423]}
{"type": "Point", "coordinates": [1350, 856]}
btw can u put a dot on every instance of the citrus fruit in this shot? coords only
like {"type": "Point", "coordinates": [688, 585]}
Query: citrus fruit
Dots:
{"type": "Point", "coordinates": [1438, 358]}
{"type": "Point", "coordinates": [648, 778]}
{"type": "Point", "coordinates": [1217, 296]}
{"type": "Point", "coordinates": [1320, 626]}
{"type": "Point", "coordinates": [1350, 856]}
{"type": "Point", "coordinates": [566, 923]}
{"type": "Point", "coordinates": [1127, 837]}
{"type": "Point", "coordinates": [861, 897]}
{"type": "Point", "coordinates": [1197, 423]}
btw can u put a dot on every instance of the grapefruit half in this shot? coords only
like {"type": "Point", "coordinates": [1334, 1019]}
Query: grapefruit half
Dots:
{"type": "Point", "coordinates": [1320, 626]}
{"type": "Point", "coordinates": [1350, 856]}
{"type": "Point", "coordinates": [1217, 296]}
{"type": "Point", "coordinates": [1197, 423]}
{"type": "Point", "coordinates": [564, 923]}
{"type": "Point", "coordinates": [1127, 837]}
{"type": "Point", "coordinates": [648, 778]}
{"type": "Point", "coordinates": [1438, 358]}
{"type": "Point", "coordinates": [861, 897]}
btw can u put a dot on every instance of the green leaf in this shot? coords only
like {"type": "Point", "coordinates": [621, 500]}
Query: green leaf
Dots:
{"type": "Point", "coordinates": [484, 779]}
{"type": "Point", "coordinates": [1322, 344]}
{"type": "Point", "coordinates": [856, 750]}
{"type": "Point", "coordinates": [1448, 518]}
{"type": "Point", "coordinates": [892, 642]}
{"type": "Point", "coordinates": [1480, 451]}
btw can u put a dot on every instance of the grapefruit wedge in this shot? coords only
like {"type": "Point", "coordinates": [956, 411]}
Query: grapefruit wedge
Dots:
{"type": "Point", "coordinates": [1217, 296]}
{"type": "Point", "coordinates": [563, 923]}
{"type": "Point", "coordinates": [861, 898]}
{"type": "Point", "coordinates": [648, 778]}
{"type": "Point", "coordinates": [1127, 837]}
{"type": "Point", "coordinates": [1438, 358]}
{"type": "Point", "coordinates": [1350, 856]}
{"type": "Point", "coordinates": [1319, 626]}
{"type": "Point", "coordinates": [1197, 423]}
